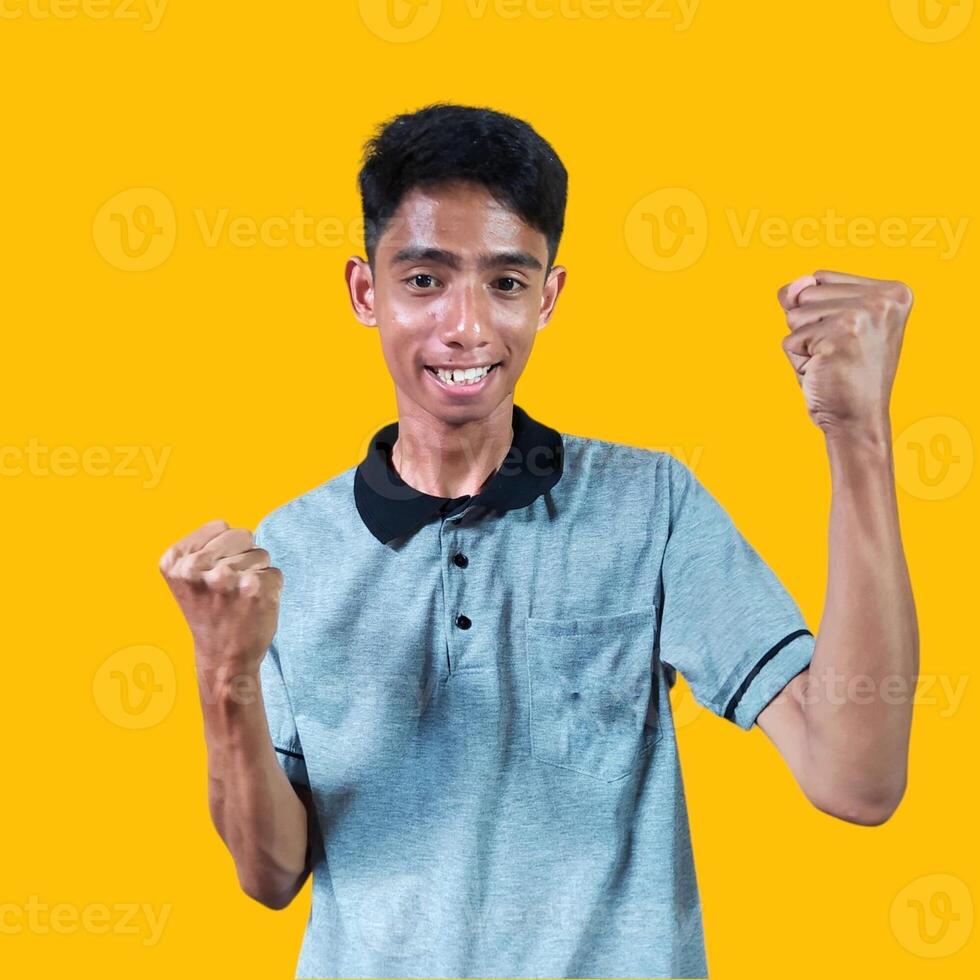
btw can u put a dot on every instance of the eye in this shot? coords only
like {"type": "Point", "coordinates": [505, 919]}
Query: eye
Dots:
{"type": "Point", "coordinates": [422, 280]}
{"type": "Point", "coordinates": [508, 284]}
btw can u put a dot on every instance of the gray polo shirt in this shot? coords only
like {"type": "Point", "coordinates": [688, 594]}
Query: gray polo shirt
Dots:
{"type": "Point", "coordinates": [477, 691]}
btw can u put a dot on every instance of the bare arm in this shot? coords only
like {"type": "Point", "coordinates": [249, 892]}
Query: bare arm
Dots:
{"type": "Point", "coordinates": [844, 724]}
{"type": "Point", "coordinates": [844, 728]}
{"type": "Point", "coordinates": [260, 815]}
{"type": "Point", "coordinates": [229, 595]}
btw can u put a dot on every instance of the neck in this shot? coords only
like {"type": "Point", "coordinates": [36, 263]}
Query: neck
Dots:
{"type": "Point", "coordinates": [451, 460]}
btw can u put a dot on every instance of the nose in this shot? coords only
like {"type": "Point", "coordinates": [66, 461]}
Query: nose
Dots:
{"type": "Point", "coordinates": [467, 323]}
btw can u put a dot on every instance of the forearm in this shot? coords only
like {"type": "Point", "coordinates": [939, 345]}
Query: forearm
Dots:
{"type": "Point", "coordinates": [862, 677]}
{"type": "Point", "coordinates": [255, 808]}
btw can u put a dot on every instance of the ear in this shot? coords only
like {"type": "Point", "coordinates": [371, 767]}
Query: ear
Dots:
{"type": "Point", "coordinates": [553, 285]}
{"type": "Point", "coordinates": [360, 286]}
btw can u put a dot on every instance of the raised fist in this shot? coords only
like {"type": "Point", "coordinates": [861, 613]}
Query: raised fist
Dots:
{"type": "Point", "coordinates": [228, 594]}
{"type": "Point", "coordinates": [845, 337]}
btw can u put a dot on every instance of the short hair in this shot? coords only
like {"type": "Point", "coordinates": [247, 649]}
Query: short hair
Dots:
{"type": "Point", "coordinates": [445, 143]}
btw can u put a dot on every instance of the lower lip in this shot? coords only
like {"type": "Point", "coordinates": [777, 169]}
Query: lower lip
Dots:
{"type": "Point", "coordinates": [463, 391]}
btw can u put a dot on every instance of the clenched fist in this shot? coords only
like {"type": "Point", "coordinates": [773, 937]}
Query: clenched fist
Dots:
{"type": "Point", "coordinates": [845, 337]}
{"type": "Point", "coordinates": [228, 593]}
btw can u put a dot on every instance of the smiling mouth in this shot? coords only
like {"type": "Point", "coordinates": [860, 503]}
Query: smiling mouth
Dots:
{"type": "Point", "coordinates": [462, 377]}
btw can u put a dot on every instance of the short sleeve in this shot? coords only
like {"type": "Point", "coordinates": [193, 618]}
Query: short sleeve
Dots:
{"type": "Point", "coordinates": [728, 624]}
{"type": "Point", "coordinates": [279, 713]}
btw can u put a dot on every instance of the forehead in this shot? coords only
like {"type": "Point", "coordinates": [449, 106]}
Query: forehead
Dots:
{"type": "Point", "coordinates": [463, 218]}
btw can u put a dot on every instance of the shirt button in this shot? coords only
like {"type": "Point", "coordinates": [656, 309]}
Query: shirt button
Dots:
{"type": "Point", "coordinates": [463, 622]}
{"type": "Point", "coordinates": [460, 560]}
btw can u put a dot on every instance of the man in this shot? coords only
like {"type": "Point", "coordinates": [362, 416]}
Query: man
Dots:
{"type": "Point", "coordinates": [459, 720]}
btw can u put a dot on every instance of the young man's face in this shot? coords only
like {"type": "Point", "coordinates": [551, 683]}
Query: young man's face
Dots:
{"type": "Point", "coordinates": [458, 282]}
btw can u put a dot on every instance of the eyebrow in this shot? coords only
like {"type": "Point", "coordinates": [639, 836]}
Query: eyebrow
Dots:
{"type": "Point", "coordinates": [487, 260]}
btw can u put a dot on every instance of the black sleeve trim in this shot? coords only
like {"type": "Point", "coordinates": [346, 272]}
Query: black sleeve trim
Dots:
{"type": "Point", "coordinates": [295, 755]}
{"type": "Point", "coordinates": [751, 675]}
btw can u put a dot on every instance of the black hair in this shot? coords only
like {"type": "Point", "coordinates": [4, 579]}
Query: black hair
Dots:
{"type": "Point", "coordinates": [444, 143]}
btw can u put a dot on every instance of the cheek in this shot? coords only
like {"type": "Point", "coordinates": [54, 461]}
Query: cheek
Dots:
{"type": "Point", "coordinates": [519, 321]}
{"type": "Point", "coordinates": [409, 314]}
{"type": "Point", "coordinates": [396, 314]}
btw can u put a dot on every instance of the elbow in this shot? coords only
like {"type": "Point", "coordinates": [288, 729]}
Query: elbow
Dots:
{"type": "Point", "coordinates": [271, 896]}
{"type": "Point", "coordinates": [862, 814]}
{"type": "Point", "coordinates": [865, 811]}
{"type": "Point", "coordinates": [270, 899]}
{"type": "Point", "coordinates": [276, 903]}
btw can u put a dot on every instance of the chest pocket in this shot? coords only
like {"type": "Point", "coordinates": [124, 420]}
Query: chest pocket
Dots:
{"type": "Point", "coordinates": [593, 691]}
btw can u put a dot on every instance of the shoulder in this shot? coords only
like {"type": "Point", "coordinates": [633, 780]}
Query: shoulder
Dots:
{"type": "Point", "coordinates": [319, 509]}
{"type": "Point", "coordinates": [608, 462]}
{"type": "Point", "coordinates": [635, 481]}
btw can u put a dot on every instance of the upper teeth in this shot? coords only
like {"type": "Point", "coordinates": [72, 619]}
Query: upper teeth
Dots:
{"type": "Point", "coordinates": [469, 376]}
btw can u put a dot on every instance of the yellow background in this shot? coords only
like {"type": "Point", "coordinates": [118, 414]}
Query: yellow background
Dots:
{"type": "Point", "coordinates": [244, 363]}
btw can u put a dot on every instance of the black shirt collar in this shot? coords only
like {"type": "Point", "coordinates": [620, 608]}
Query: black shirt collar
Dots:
{"type": "Point", "coordinates": [390, 508]}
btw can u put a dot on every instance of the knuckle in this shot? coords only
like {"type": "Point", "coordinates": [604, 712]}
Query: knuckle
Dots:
{"type": "Point", "coordinates": [273, 580]}
{"type": "Point", "coordinates": [900, 293]}
{"type": "Point", "coordinates": [183, 569]}
{"type": "Point", "coordinates": [219, 577]}
{"type": "Point", "coordinates": [193, 565]}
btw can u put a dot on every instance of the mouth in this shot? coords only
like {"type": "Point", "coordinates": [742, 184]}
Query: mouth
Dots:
{"type": "Point", "coordinates": [470, 380]}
